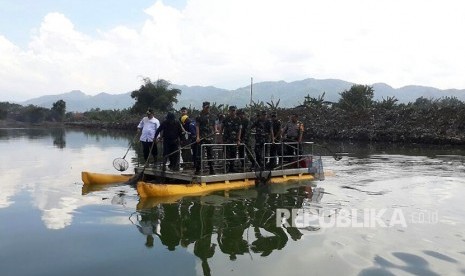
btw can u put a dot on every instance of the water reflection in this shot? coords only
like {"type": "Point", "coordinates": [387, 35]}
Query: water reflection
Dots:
{"type": "Point", "coordinates": [42, 164]}
{"type": "Point", "coordinates": [412, 264]}
{"type": "Point", "coordinates": [234, 225]}
{"type": "Point", "coordinates": [366, 150]}
{"type": "Point", "coordinates": [30, 133]}
{"type": "Point", "coordinates": [59, 137]}
{"type": "Point", "coordinates": [42, 199]}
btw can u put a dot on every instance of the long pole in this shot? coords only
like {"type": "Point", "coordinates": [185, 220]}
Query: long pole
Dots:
{"type": "Point", "coordinates": [250, 104]}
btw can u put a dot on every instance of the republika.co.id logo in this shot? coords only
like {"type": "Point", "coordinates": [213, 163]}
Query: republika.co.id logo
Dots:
{"type": "Point", "coordinates": [359, 218]}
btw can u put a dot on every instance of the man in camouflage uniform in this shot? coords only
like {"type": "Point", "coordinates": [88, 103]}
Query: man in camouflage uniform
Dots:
{"type": "Point", "coordinates": [293, 132]}
{"type": "Point", "coordinates": [262, 128]}
{"type": "Point", "coordinates": [205, 124]}
{"type": "Point", "coordinates": [231, 128]}
{"type": "Point", "coordinates": [245, 138]}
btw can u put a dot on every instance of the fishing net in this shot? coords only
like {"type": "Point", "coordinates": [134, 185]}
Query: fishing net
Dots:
{"type": "Point", "coordinates": [120, 164]}
{"type": "Point", "coordinates": [316, 168]}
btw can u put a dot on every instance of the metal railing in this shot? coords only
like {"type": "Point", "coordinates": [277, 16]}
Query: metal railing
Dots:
{"type": "Point", "coordinates": [219, 156]}
{"type": "Point", "coordinates": [288, 154]}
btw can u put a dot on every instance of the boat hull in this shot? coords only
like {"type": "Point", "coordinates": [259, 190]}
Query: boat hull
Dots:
{"type": "Point", "coordinates": [146, 189]}
{"type": "Point", "coordinates": [90, 178]}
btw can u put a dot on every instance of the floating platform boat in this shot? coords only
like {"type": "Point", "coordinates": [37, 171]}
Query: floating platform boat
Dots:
{"type": "Point", "coordinates": [90, 178]}
{"type": "Point", "coordinates": [189, 184]}
{"type": "Point", "coordinates": [158, 182]}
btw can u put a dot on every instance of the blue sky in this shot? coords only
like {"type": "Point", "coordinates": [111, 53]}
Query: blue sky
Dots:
{"type": "Point", "coordinates": [52, 47]}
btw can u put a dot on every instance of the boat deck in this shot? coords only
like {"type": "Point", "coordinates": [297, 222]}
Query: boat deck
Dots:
{"type": "Point", "coordinates": [289, 165]}
{"type": "Point", "coordinates": [189, 176]}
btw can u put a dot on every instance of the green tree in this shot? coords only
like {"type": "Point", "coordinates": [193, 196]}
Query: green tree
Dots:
{"type": "Point", "coordinates": [7, 108]}
{"type": "Point", "coordinates": [388, 103]}
{"type": "Point", "coordinates": [58, 110]}
{"type": "Point", "coordinates": [33, 114]}
{"type": "Point", "coordinates": [450, 102]}
{"type": "Point", "coordinates": [219, 109]}
{"type": "Point", "coordinates": [256, 106]}
{"type": "Point", "coordinates": [314, 102]}
{"type": "Point", "coordinates": [424, 103]}
{"type": "Point", "coordinates": [273, 105]}
{"type": "Point", "coordinates": [357, 98]}
{"type": "Point", "coordinates": [155, 95]}
{"type": "Point", "coordinates": [3, 113]}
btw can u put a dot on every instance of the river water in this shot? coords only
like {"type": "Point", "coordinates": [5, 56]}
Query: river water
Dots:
{"type": "Point", "coordinates": [382, 210]}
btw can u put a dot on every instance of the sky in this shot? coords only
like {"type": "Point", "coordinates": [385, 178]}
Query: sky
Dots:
{"type": "Point", "coordinates": [55, 46]}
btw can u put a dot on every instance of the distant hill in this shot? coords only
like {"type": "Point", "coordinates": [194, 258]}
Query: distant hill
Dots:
{"type": "Point", "coordinates": [77, 101]}
{"type": "Point", "coordinates": [289, 93]}
{"type": "Point", "coordinates": [412, 92]}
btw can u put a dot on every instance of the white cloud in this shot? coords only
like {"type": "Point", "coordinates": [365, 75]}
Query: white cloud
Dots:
{"type": "Point", "coordinates": [224, 43]}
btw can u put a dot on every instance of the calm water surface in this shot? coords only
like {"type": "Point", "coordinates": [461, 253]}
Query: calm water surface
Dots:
{"type": "Point", "coordinates": [396, 211]}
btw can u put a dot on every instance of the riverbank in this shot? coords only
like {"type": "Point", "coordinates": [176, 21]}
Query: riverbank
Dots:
{"type": "Point", "coordinates": [397, 125]}
{"type": "Point", "coordinates": [128, 125]}
{"type": "Point", "coordinates": [327, 127]}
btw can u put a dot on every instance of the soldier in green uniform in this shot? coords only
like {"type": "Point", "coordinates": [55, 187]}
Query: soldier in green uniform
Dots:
{"type": "Point", "coordinates": [293, 132]}
{"type": "Point", "coordinates": [231, 128]}
{"type": "Point", "coordinates": [245, 138]}
{"type": "Point", "coordinates": [205, 124]}
{"type": "Point", "coordinates": [262, 128]}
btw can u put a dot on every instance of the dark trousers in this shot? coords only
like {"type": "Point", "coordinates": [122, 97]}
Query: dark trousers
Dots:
{"type": "Point", "coordinates": [170, 148]}
{"type": "Point", "coordinates": [242, 151]}
{"type": "Point", "coordinates": [231, 153]}
{"type": "Point", "coordinates": [189, 154]}
{"type": "Point", "coordinates": [292, 149]}
{"type": "Point", "coordinates": [146, 150]}
{"type": "Point", "coordinates": [195, 153]}
{"type": "Point", "coordinates": [186, 154]}
{"type": "Point", "coordinates": [275, 151]}
{"type": "Point", "coordinates": [209, 151]}
{"type": "Point", "coordinates": [259, 147]}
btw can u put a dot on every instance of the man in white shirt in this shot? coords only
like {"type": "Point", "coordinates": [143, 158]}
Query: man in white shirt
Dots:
{"type": "Point", "coordinates": [148, 126]}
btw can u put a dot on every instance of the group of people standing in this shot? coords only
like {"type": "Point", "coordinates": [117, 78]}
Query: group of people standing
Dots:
{"type": "Point", "coordinates": [269, 130]}
{"type": "Point", "coordinates": [235, 130]}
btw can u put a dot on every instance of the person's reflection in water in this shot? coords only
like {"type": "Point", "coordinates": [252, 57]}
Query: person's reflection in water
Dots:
{"type": "Point", "coordinates": [203, 247]}
{"type": "Point", "coordinates": [230, 234]}
{"type": "Point", "coordinates": [312, 207]}
{"type": "Point", "coordinates": [314, 194]}
{"type": "Point", "coordinates": [192, 221]}
{"type": "Point", "coordinates": [296, 201]}
{"type": "Point", "coordinates": [119, 199]}
{"type": "Point", "coordinates": [265, 218]}
{"type": "Point", "coordinates": [196, 226]}
{"type": "Point", "coordinates": [317, 194]}
{"type": "Point", "coordinates": [294, 233]}
{"type": "Point", "coordinates": [170, 230]}
{"type": "Point", "coordinates": [149, 224]}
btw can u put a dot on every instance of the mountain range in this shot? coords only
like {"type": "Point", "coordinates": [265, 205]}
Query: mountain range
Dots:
{"type": "Point", "coordinates": [289, 93]}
